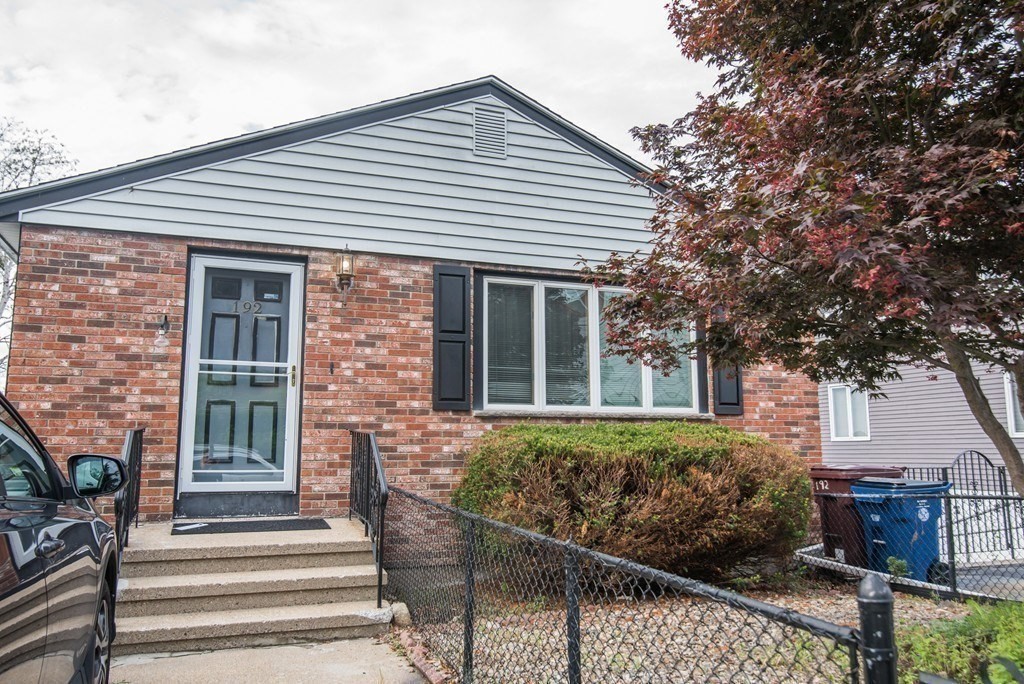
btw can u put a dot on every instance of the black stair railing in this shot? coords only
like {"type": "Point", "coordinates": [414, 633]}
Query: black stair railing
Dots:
{"type": "Point", "coordinates": [368, 497]}
{"type": "Point", "coordinates": [126, 501]}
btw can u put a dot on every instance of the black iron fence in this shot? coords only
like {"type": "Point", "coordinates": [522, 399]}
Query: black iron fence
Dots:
{"type": "Point", "coordinates": [496, 603]}
{"type": "Point", "coordinates": [952, 544]}
{"type": "Point", "coordinates": [971, 472]}
{"type": "Point", "coordinates": [368, 496]}
{"type": "Point", "coordinates": [126, 501]}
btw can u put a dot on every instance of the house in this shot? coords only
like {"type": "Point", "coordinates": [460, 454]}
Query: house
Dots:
{"type": "Point", "coordinates": [923, 420]}
{"type": "Point", "coordinates": [408, 267]}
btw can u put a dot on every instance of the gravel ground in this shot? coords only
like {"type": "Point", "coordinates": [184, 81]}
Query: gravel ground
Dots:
{"type": "Point", "coordinates": [838, 603]}
{"type": "Point", "coordinates": [672, 640]}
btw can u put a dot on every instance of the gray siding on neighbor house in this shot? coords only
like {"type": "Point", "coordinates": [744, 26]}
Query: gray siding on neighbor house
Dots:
{"type": "Point", "coordinates": [410, 186]}
{"type": "Point", "coordinates": [921, 422]}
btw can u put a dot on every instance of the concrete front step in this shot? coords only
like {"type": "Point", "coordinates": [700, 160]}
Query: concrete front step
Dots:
{"type": "Point", "coordinates": [250, 627]}
{"type": "Point", "coordinates": [258, 559]}
{"type": "Point", "coordinates": [172, 594]}
{"type": "Point", "coordinates": [153, 551]}
{"type": "Point", "coordinates": [214, 591]}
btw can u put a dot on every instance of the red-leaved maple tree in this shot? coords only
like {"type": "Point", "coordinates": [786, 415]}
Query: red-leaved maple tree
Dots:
{"type": "Point", "coordinates": [848, 200]}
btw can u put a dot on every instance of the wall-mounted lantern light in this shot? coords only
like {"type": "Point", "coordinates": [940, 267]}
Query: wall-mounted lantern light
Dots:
{"type": "Point", "coordinates": [161, 333]}
{"type": "Point", "coordinates": [346, 271]}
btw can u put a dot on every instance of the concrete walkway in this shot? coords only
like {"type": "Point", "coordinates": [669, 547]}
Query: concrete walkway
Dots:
{"type": "Point", "coordinates": [353, 660]}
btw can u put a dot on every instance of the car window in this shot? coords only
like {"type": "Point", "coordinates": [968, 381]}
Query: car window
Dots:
{"type": "Point", "coordinates": [23, 471]}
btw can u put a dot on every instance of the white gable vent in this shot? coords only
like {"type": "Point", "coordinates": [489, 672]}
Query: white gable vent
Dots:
{"type": "Point", "coordinates": [490, 132]}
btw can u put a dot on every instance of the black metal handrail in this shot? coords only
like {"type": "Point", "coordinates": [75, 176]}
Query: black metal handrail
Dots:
{"type": "Point", "coordinates": [126, 501]}
{"type": "Point", "coordinates": [368, 497]}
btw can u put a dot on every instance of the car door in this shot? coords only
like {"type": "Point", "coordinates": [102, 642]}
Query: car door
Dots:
{"type": "Point", "coordinates": [29, 495]}
{"type": "Point", "coordinates": [74, 537]}
{"type": "Point", "coordinates": [69, 540]}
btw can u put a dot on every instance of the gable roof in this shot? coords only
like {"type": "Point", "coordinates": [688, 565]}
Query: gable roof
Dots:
{"type": "Point", "coordinates": [14, 202]}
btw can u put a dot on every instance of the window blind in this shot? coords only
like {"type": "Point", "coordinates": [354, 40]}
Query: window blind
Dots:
{"type": "Point", "coordinates": [509, 344]}
{"type": "Point", "coordinates": [621, 381]}
{"type": "Point", "coordinates": [566, 347]}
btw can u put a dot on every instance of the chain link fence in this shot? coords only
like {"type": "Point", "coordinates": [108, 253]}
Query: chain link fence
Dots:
{"type": "Point", "coordinates": [936, 542]}
{"type": "Point", "coordinates": [497, 603]}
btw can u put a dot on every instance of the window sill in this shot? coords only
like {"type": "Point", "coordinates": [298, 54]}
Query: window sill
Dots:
{"type": "Point", "coordinates": [601, 415]}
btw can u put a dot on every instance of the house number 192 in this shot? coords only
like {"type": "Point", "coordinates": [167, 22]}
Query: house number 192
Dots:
{"type": "Point", "coordinates": [248, 307]}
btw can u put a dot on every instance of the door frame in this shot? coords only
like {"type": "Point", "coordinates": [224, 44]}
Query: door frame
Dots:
{"type": "Point", "coordinates": [198, 263]}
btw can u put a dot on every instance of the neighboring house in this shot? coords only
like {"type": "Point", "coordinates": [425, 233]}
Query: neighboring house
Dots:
{"type": "Point", "coordinates": [409, 268]}
{"type": "Point", "coordinates": [923, 420]}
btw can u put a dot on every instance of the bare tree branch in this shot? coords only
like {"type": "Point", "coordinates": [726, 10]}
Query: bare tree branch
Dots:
{"type": "Point", "coordinates": [27, 157]}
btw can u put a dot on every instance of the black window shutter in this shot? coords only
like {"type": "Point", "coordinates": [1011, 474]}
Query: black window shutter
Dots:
{"type": "Point", "coordinates": [728, 390]}
{"type": "Point", "coordinates": [451, 338]}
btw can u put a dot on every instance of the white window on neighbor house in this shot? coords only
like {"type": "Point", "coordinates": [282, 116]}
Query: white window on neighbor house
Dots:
{"type": "Point", "coordinates": [848, 414]}
{"type": "Point", "coordinates": [545, 347]}
{"type": "Point", "coordinates": [1013, 409]}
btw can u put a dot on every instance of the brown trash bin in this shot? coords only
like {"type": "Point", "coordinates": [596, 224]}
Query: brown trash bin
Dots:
{"type": "Point", "coordinates": [841, 528]}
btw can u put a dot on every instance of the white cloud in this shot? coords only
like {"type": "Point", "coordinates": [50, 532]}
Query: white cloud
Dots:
{"type": "Point", "coordinates": [117, 80]}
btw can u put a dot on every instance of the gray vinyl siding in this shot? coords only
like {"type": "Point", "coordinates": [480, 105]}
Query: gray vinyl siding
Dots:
{"type": "Point", "coordinates": [10, 237]}
{"type": "Point", "coordinates": [921, 422]}
{"type": "Point", "coordinates": [410, 186]}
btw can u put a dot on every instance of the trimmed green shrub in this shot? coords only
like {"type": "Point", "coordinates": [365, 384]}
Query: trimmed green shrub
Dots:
{"type": "Point", "coordinates": [693, 499]}
{"type": "Point", "coordinates": [957, 649]}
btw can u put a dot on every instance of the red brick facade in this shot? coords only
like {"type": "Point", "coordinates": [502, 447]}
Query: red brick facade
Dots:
{"type": "Point", "coordinates": [781, 406]}
{"type": "Point", "coordinates": [85, 367]}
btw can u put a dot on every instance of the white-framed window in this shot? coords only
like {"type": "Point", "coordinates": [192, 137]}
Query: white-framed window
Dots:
{"type": "Point", "coordinates": [545, 347]}
{"type": "Point", "coordinates": [1013, 408]}
{"type": "Point", "coordinates": [848, 414]}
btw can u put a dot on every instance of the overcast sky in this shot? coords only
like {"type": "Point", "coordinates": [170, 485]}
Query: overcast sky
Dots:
{"type": "Point", "coordinates": [118, 80]}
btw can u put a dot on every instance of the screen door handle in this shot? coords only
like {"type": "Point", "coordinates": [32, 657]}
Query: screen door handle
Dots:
{"type": "Point", "coordinates": [293, 375]}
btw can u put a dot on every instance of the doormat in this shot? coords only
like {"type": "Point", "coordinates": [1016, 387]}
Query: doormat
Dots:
{"type": "Point", "coordinates": [228, 526]}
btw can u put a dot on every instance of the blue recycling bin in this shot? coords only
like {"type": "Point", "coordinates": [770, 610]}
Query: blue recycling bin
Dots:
{"type": "Point", "coordinates": [901, 522]}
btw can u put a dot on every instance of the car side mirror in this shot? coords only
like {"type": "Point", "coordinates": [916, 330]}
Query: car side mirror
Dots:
{"type": "Point", "coordinates": [92, 476]}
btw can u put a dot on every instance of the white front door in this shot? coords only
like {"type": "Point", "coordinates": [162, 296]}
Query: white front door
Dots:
{"type": "Point", "coordinates": [240, 413]}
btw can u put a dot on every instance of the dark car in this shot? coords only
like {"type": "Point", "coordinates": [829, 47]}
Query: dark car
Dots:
{"type": "Point", "coordinates": [58, 560]}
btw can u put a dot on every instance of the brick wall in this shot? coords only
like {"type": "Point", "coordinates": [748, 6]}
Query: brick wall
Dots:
{"type": "Point", "coordinates": [781, 406]}
{"type": "Point", "coordinates": [85, 366]}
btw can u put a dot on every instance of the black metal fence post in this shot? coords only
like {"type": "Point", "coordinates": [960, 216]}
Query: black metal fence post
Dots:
{"type": "Point", "coordinates": [950, 539]}
{"type": "Point", "coordinates": [572, 615]}
{"type": "Point", "coordinates": [1007, 526]}
{"type": "Point", "coordinates": [468, 617]}
{"type": "Point", "coordinates": [878, 648]}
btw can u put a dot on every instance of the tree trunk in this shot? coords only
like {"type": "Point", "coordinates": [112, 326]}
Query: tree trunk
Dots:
{"type": "Point", "coordinates": [982, 410]}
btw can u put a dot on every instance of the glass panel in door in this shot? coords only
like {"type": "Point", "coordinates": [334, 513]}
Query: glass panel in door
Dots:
{"type": "Point", "coordinates": [243, 378]}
